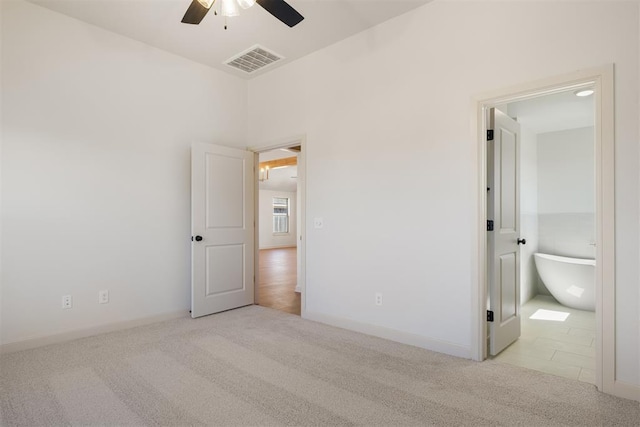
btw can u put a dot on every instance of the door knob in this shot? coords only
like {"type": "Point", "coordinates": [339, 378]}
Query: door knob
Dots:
{"type": "Point", "coordinates": [198, 238]}
{"type": "Point", "coordinates": [520, 241]}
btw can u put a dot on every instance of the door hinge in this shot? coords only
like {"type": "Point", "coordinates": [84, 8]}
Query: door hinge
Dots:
{"type": "Point", "coordinates": [489, 134]}
{"type": "Point", "coordinates": [489, 225]}
{"type": "Point", "coordinates": [489, 316]}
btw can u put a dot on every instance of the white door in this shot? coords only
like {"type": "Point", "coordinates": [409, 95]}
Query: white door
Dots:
{"type": "Point", "coordinates": [222, 226]}
{"type": "Point", "coordinates": [503, 208]}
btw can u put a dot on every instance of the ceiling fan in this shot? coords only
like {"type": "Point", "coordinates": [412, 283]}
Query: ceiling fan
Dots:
{"type": "Point", "coordinates": [278, 8]}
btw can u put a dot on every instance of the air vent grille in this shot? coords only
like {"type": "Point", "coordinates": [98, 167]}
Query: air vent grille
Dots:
{"type": "Point", "coordinates": [253, 59]}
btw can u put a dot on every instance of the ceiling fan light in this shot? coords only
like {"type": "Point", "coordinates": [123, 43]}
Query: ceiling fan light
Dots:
{"type": "Point", "coordinates": [246, 4]}
{"type": "Point", "coordinates": [207, 3]}
{"type": "Point", "coordinates": [229, 8]}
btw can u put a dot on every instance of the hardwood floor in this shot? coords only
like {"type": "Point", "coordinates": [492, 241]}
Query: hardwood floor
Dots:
{"type": "Point", "coordinates": [278, 278]}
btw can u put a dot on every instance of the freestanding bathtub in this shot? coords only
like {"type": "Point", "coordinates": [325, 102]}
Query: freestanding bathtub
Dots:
{"type": "Point", "coordinates": [570, 280]}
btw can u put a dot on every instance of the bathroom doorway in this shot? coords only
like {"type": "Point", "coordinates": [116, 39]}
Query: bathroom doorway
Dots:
{"type": "Point", "coordinates": [530, 302]}
{"type": "Point", "coordinates": [557, 218]}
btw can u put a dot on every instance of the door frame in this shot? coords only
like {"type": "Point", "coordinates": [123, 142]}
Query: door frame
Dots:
{"type": "Point", "coordinates": [300, 140]}
{"type": "Point", "coordinates": [602, 79]}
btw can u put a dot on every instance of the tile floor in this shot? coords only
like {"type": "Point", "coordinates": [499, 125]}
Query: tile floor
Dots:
{"type": "Point", "coordinates": [564, 348]}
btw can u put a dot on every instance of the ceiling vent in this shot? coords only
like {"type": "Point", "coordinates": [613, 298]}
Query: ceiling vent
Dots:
{"type": "Point", "coordinates": [253, 59]}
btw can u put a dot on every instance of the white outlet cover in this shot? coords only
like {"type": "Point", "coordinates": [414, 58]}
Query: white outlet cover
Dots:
{"type": "Point", "coordinates": [378, 298]}
{"type": "Point", "coordinates": [67, 302]}
{"type": "Point", "coordinates": [103, 297]}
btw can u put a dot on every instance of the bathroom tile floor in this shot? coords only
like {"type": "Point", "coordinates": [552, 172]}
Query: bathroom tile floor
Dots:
{"type": "Point", "coordinates": [560, 347]}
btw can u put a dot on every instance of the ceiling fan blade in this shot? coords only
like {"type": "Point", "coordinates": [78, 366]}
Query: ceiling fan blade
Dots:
{"type": "Point", "coordinates": [194, 13]}
{"type": "Point", "coordinates": [281, 10]}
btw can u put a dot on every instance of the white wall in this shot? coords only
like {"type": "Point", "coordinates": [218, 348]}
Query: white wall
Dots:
{"type": "Point", "coordinates": [96, 135]}
{"type": "Point", "coordinates": [528, 213]}
{"type": "Point", "coordinates": [566, 192]}
{"type": "Point", "coordinates": [267, 238]}
{"type": "Point", "coordinates": [391, 161]}
{"type": "Point", "coordinates": [1, 173]}
{"type": "Point", "coordinates": [566, 171]}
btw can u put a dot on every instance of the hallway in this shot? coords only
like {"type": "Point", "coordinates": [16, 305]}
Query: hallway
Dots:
{"type": "Point", "coordinates": [278, 277]}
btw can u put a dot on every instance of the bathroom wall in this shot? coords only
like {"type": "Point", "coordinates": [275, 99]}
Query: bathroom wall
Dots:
{"type": "Point", "coordinates": [566, 192]}
{"type": "Point", "coordinates": [528, 213]}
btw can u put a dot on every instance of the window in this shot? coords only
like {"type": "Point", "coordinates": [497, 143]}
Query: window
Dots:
{"type": "Point", "coordinates": [280, 215]}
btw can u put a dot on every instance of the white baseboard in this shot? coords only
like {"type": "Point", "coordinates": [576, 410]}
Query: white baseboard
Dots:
{"type": "Point", "coordinates": [297, 289]}
{"type": "Point", "coordinates": [277, 247]}
{"type": "Point", "coordinates": [391, 334]}
{"type": "Point", "coordinates": [87, 332]}
{"type": "Point", "coordinates": [626, 390]}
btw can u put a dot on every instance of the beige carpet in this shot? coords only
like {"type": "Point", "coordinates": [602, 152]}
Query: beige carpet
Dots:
{"type": "Point", "coordinates": [257, 366]}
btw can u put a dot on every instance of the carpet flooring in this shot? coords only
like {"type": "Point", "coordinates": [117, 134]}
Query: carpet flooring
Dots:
{"type": "Point", "coordinates": [257, 366]}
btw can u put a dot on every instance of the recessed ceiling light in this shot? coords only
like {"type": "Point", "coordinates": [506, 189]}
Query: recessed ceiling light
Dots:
{"type": "Point", "coordinates": [584, 92]}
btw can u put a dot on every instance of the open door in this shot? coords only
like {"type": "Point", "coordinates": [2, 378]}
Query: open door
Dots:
{"type": "Point", "coordinates": [503, 213]}
{"type": "Point", "coordinates": [222, 225]}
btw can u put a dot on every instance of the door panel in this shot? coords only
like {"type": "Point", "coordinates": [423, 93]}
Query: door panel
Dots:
{"type": "Point", "coordinates": [223, 216]}
{"type": "Point", "coordinates": [224, 187]}
{"type": "Point", "coordinates": [508, 161]}
{"type": "Point", "coordinates": [225, 269]}
{"type": "Point", "coordinates": [504, 208]}
{"type": "Point", "coordinates": [508, 275]}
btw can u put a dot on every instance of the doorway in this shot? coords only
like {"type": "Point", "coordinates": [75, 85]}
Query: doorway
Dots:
{"type": "Point", "coordinates": [556, 188]}
{"type": "Point", "coordinates": [601, 80]}
{"type": "Point", "coordinates": [279, 225]}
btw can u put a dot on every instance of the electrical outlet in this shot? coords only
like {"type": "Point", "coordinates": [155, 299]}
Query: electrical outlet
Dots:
{"type": "Point", "coordinates": [378, 298]}
{"type": "Point", "coordinates": [67, 302]}
{"type": "Point", "coordinates": [103, 296]}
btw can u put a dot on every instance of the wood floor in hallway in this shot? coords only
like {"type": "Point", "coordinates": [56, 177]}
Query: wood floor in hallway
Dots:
{"type": "Point", "coordinates": [278, 277]}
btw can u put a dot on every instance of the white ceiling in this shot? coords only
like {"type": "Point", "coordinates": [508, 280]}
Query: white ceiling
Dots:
{"type": "Point", "coordinates": [157, 23]}
{"type": "Point", "coordinates": [279, 179]}
{"type": "Point", "coordinates": [552, 113]}
{"type": "Point", "coordinates": [284, 179]}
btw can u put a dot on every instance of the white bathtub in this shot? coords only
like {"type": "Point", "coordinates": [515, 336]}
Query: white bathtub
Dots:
{"type": "Point", "coordinates": [570, 280]}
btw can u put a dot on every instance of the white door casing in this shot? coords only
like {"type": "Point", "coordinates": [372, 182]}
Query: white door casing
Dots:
{"type": "Point", "coordinates": [222, 225]}
{"type": "Point", "coordinates": [602, 80]}
{"type": "Point", "coordinates": [299, 222]}
{"type": "Point", "coordinates": [503, 208]}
